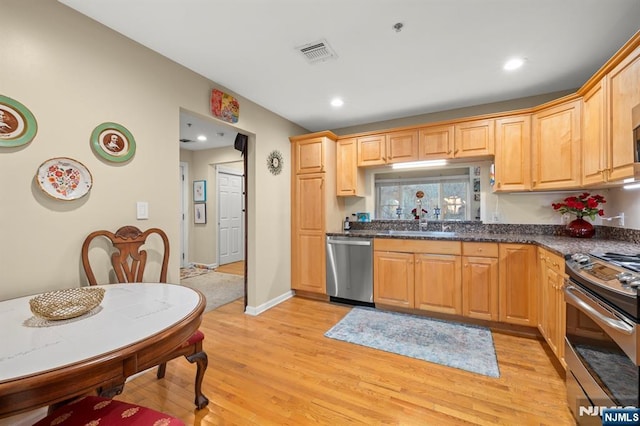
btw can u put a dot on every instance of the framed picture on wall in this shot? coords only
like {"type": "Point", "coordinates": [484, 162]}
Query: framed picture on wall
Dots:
{"type": "Point", "coordinates": [199, 191]}
{"type": "Point", "coordinates": [199, 213]}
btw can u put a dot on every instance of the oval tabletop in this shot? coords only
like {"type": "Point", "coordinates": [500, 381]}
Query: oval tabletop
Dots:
{"type": "Point", "coordinates": [129, 313]}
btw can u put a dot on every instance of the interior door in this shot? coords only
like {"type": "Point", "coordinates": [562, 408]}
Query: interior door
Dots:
{"type": "Point", "coordinates": [230, 220]}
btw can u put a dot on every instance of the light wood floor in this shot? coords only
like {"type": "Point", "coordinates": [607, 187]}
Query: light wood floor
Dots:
{"type": "Point", "coordinates": [278, 368]}
{"type": "Point", "coordinates": [235, 268]}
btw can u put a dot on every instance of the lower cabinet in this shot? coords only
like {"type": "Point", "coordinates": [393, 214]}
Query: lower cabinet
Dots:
{"type": "Point", "coordinates": [517, 284]}
{"type": "Point", "coordinates": [393, 278]}
{"type": "Point", "coordinates": [551, 309]}
{"type": "Point", "coordinates": [487, 281]}
{"type": "Point", "coordinates": [438, 285]}
{"type": "Point", "coordinates": [480, 281]}
{"type": "Point", "coordinates": [417, 274]}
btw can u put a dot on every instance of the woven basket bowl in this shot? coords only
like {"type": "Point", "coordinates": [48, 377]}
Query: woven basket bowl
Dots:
{"type": "Point", "coordinates": [65, 304]}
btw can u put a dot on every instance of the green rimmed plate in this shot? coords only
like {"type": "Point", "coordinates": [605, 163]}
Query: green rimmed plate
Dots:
{"type": "Point", "coordinates": [18, 126]}
{"type": "Point", "coordinates": [113, 142]}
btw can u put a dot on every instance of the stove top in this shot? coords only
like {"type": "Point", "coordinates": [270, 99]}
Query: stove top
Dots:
{"type": "Point", "coordinates": [629, 261]}
{"type": "Point", "coordinates": [609, 277]}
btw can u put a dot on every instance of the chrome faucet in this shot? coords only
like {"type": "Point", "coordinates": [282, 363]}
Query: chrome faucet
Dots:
{"type": "Point", "coordinates": [445, 227]}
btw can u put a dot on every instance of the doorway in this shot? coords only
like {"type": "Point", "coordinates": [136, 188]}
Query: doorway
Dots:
{"type": "Point", "coordinates": [230, 183]}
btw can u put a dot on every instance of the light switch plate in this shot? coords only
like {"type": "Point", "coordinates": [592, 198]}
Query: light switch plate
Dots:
{"type": "Point", "coordinates": [142, 210]}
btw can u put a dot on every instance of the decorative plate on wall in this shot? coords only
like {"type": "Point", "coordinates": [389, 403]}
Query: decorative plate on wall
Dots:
{"type": "Point", "coordinates": [274, 162]}
{"type": "Point", "coordinates": [64, 178]}
{"type": "Point", "coordinates": [17, 124]}
{"type": "Point", "coordinates": [113, 142]}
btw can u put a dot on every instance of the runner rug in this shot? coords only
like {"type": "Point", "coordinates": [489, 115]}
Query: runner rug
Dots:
{"type": "Point", "coordinates": [467, 347]}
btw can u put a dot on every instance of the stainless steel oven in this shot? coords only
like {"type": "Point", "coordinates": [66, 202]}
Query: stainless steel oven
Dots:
{"type": "Point", "coordinates": [601, 342]}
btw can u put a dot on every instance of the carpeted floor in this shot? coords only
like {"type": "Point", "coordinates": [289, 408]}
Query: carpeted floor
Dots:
{"type": "Point", "coordinates": [218, 288]}
{"type": "Point", "coordinates": [467, 347]}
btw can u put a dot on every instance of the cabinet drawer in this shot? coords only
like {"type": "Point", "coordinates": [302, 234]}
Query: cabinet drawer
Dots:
{"type": "Point", "coordinates": [480, 249]}
{"type": "Point", "coordinates": [417, 246]}
{"type": "Point", "coordinates": [554, 262]}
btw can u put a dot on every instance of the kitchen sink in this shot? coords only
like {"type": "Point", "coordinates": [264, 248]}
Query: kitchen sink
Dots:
{"type": "Point", "coordinates": [418, 233]}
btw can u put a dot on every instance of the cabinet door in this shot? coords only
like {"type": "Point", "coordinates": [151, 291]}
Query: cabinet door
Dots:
{"type": "Point", "coordinates": [594, 136]}
{"type": "Point", "coordinates": [438, 283]}
{"type": "Point", "coordinates": [623, 83]}
{"type": "Point", "coordinates": [516, 282]}
{"type": "Point", "coordinates": [474, 138]}
{"type": "Point", "coordinates": [347, 174]}
{"type": "Point", "coordinates": [372, 150]}
{"type": "Point", "coordinates": [308, 251]}
{"type": "Point", "coordinates": [393, 279]}
{"type": "Point", "coordinates": [556, 147]}
{"type": "Point", "coordinates": [480, 287]}
{"type": "Point", "coordinates": [309, 155]}
{"type": "Point", "coordinates": [513, 153]}
{"type": "Point", "coordinates": [402, 146]}
{"type": "Point", "coordinates": [435, 142]}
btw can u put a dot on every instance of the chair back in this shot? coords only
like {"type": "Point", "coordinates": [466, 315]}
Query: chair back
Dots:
{"type": "Point", "coordinates": [128, 260]}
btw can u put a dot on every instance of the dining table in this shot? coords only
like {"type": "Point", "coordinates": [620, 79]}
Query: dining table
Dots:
{"type": "Point", "coordinates": [45, 362]}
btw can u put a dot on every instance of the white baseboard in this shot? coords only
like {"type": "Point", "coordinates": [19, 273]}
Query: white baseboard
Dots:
{"type": "Point", "coordinates": [257, 310]}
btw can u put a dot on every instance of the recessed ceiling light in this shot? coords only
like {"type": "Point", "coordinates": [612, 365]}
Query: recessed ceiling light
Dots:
{"type": "Point", "coordinates": [513, 64]}
{"type": "Point", "coordinates": [202, 138]}
{"type": "Point", "coordinates": [337, 102]}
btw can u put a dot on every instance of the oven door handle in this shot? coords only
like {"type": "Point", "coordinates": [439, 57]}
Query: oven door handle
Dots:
{"type": "Point", "coordinates": [576, 296]}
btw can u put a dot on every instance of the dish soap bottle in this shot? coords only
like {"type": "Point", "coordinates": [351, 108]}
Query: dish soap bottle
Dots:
{"type": "Point", "coordinates": [346, 225]}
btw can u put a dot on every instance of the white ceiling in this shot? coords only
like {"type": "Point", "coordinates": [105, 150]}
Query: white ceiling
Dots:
{"type": "Point", "coordinates": [448, 55]}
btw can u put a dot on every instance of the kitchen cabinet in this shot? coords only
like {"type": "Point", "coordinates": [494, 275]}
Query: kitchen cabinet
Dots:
{"type": "Point", "coordinates": [474, 138]}
{"type": "Point", "coordinates": [418, 274]}
{"type": "Point", "coordinates": [438, 283]}
{"type": "Point", "coordinates": [556, 147]}
{"type": "Point", "coordinates": [480, 280]}
{"type": "Point", "coordinates": [309, 155]}
{"type": "Point", "coordinates": [513, 153]}
{"type": "Point", "coordinates": [551, 320]}
{"type": "Point", "coordinates": [594, 138]}
{"type": "Point", "coordinates": [517, 294]}
{"type": "Point", "coordinates": [349, 178]}
{"type": "Point", "coordinates": [372, 150]}
{"type": "Point", "coordinates": [393, 278]}
{"type": "Point", "coordinates": [435, 142]}
{"type": "Point", "coordinates": [315, 209]}
{"type": "Point", "coordinates": [402, 146]}
{"type": "Point", "coordinates": [623, 85]}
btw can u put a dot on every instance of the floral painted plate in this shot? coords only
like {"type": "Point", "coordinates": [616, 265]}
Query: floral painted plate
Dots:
{"type": "Point", "coordinates": [64, 178]}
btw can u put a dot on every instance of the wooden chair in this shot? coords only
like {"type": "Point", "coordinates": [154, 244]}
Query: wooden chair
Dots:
{"type": "Point", "coordinates": [128, 262]}
{"type": "Point", "coordinates": [93, 410]}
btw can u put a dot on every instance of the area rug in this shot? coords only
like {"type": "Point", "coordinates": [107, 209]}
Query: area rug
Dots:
{"type": "Point", "coordinates": [217, 287]}
{"type": "Point", "coordinates": [193, 271]}
{"type": "Point", "coordinates": [467, 347]}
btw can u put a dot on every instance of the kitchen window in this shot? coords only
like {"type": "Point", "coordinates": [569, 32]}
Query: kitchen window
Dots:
{"type": "Point", "coordinates": [451, 194]}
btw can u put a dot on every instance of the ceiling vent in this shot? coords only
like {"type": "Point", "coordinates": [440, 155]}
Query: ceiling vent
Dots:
{"type": "Point", "coordinates": [318, 51]}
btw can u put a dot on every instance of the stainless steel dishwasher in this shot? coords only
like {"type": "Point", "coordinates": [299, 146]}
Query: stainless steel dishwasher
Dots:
{"type": "Point", "coordinates": [350, 269]}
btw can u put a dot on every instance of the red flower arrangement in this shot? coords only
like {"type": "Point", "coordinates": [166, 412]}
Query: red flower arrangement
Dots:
{"type": "Point", "coordinates": [584, 204]}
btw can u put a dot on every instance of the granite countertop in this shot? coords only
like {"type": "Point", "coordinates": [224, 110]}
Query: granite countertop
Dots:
{"type": "Point", "coordinates": [559, 244]}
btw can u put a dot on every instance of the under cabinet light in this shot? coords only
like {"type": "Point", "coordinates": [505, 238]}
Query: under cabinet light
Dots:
{"type": "Point", "coordinates": [632, 185]}
{"type": "Point", "coordinates": [414, 164]}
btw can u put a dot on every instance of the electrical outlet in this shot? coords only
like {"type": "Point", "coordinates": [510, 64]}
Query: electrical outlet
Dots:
{"type": "Point", "coordinates": [496, 217]}
{"type": "Point", "coordinates": [142, 210]}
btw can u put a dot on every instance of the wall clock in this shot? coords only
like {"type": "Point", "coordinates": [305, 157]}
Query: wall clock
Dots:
{"type": "Point", "coordinates": [274, 162]}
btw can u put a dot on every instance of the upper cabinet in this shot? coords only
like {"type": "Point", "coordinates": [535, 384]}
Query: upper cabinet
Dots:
{"type": "Point", "coordinates": [556, 147]}
{"type": "Point", "coordinates": [474, 139]}
{"type": "Point", "coordinates": [402, 146]}
{"type": "Point", "coordinates": [436, 142]}
{"type": "Point", "coordinates": [349, 178]}
{"type": "Point", "coordinates": [513, 154]}
{"type": "Point", "coordinates": [623, 85]}
{"type": "Point", "coordinates": [594, 156]}
{"type": "Point", "coordinates": [372, 150]}
{"type": "Point", "coordinates": [309, 155]}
